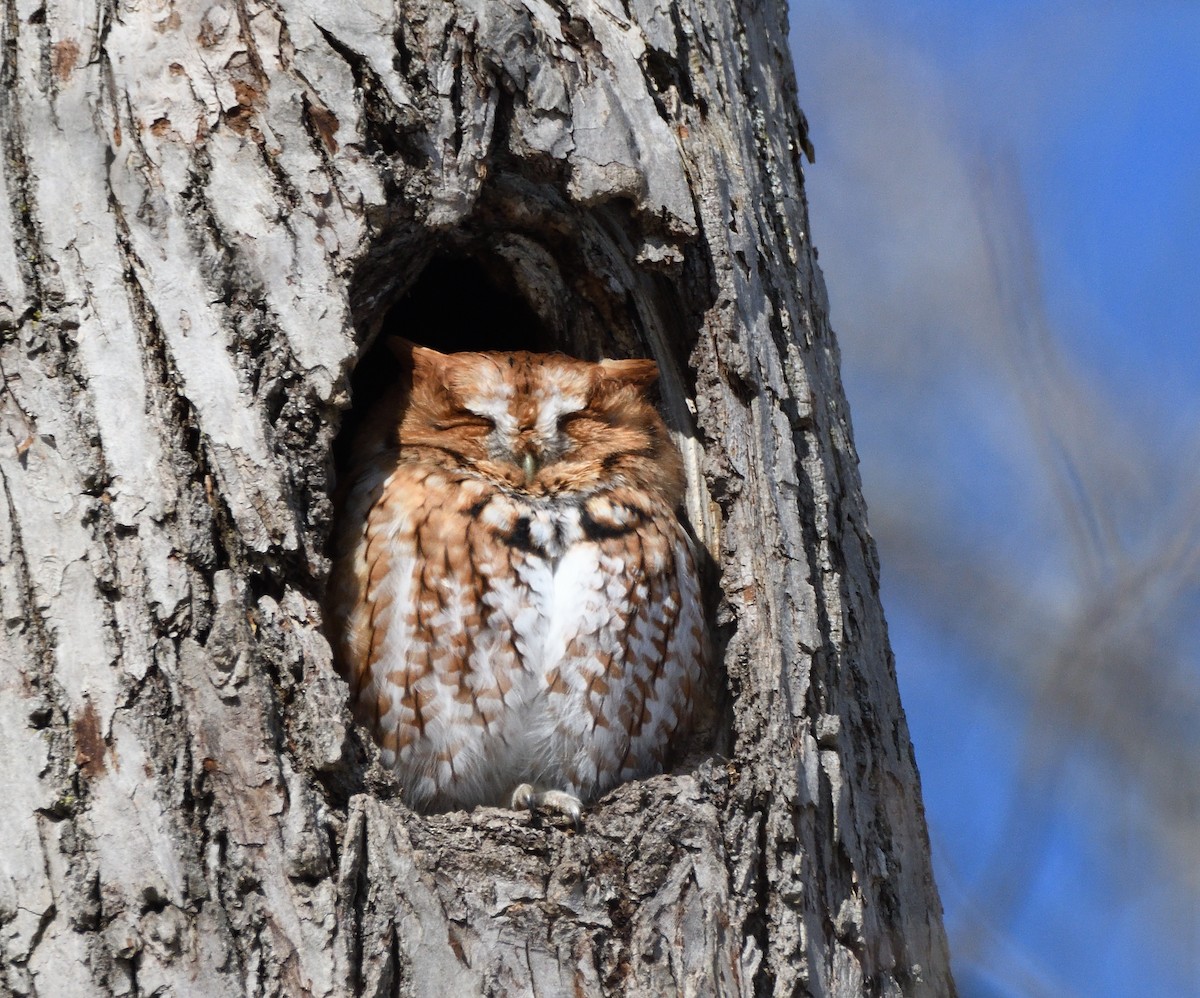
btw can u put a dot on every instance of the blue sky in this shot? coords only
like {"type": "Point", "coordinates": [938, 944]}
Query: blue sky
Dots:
{"type": "Point", "coordinates": [1084, 120]}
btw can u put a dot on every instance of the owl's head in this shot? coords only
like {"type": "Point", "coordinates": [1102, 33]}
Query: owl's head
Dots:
{"type": "Point", "coordinates": [545, 424]}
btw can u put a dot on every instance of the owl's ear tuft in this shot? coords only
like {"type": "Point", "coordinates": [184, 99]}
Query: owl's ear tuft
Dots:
{"type": "Point", "coordinates": [640, 374]}
{"type": "Point", "coordinates": [413, 356]}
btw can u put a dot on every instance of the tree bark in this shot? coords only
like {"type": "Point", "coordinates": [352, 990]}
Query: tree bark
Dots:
{"type": "Point", "coordinates": [214, 213]}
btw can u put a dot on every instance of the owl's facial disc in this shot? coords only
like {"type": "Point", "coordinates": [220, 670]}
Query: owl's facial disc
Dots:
{"type": "Point", "coordinates": [529, 426]}
{"type": "Point", "coordinates": [544, 424]}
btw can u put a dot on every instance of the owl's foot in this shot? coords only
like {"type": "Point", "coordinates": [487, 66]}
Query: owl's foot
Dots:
{"type": "Point", "coordinates": [551, 803]}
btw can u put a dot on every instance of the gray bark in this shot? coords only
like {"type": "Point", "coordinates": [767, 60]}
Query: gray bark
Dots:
{"type": "Point", "coordinates": [213, 212]}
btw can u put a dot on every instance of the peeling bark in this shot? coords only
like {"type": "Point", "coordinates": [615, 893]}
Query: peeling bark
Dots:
{"type": "Point", "coordinates": [213, 215]}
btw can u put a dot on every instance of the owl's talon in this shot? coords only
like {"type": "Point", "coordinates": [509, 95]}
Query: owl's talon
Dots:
{"type": "Point", "coordinates": [548, 803]}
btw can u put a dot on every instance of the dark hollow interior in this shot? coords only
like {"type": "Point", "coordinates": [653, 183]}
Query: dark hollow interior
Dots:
{"type": "Point", "coordinates": [457, 304]}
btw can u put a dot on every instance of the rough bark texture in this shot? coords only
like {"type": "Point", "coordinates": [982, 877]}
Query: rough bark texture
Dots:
{"type": "Point", "coordinates": [214, 211]}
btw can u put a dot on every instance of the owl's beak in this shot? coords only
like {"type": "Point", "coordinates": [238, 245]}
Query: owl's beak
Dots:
{"type": "Point", "coordinates": [529, 464]}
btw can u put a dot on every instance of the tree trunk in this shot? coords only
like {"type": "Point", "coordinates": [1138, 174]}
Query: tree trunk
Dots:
{"type": "Point", "coordinates": [215, 212]}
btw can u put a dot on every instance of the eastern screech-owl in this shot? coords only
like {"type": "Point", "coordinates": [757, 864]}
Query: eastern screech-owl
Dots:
{"type": "Point", "coordinates": [514, 601]}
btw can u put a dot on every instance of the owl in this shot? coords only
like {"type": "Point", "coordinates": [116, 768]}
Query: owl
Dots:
{"type": "Point", "coordinates": [514, 601]}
